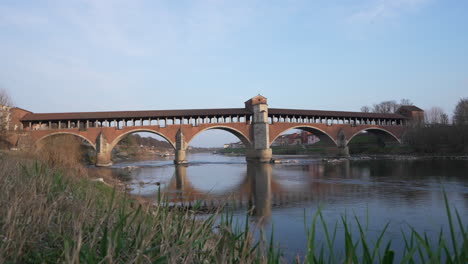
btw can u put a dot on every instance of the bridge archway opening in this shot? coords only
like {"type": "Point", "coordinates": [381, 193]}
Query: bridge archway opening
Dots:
{"type": "Point", "coordinates": [141, 144]}
{"type": "Point", "coordinates": [372, 140]}
{"type": "Point", "coordinates": [302, 139]}
{"type": "Point", "coordinates": [66, 149]}
{"type": "Point", "coordinates": [219, 138]}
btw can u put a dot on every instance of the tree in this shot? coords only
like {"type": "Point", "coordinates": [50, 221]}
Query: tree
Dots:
{"type": "Point", "coordinates": [405, 101]}
{"type": "Point", "coordinates": [386, 107]}
{"type": "Point", "coordinates": [460, 115]}
{"type": "Point", "coordinates": [444, 118]}
{"type": "Point", "coordinates": [5, 105]}
{"type": "Point", "coordinates": [5, 99]}
{"type": "Point", "coordinates": [435, 116]}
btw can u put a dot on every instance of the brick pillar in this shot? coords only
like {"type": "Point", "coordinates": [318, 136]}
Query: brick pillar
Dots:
{"type": "Point", "coordinates": [181, 146]}
{"type": "Point", "coordinates": [342, 144]}
{"type": "Point", "coordinates": [103, 151]}
{"type": "Point", "coordinates": [260, 150]}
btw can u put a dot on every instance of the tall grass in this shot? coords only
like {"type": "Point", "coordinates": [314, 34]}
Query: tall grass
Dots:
{"type": "Point", "coordinates": [50, 215]}
{"type": "Point", "coordinates": [418, 247]}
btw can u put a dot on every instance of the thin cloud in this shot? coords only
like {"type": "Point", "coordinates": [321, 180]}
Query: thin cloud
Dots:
{"type": "Point", "coordinates": [378, 10]}
{"type": "Point", "coordinates": [21, 18]}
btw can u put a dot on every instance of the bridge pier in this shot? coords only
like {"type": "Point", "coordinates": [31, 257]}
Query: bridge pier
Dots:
{"type": "Point", "coordinates": [181, 146]}
{"type": "Point", "coordinates": [259, 155]}
{"type": "Point", "coordinates": [343, 152]}
{"type": "Point", "coordinates": [342, 143]}
{"type": "Point", "coordinates": [180, 157]}
{"type": "Point", "coordinates": [103, 152]}
{"type": "Point", "coordinates": [260, 151]}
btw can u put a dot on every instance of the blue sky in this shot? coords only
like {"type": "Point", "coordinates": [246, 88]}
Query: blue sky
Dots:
{"type": "Point", "coordinates": [97, 55]}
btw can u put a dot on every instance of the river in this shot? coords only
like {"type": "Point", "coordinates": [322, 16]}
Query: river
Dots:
{"type": "Point", "coordinates": [378, 191]}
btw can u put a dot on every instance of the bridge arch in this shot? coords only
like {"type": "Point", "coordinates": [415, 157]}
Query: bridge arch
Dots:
{"type": "Point", "coordinates": [122, 136]}
{"type": "Point", "coordinates": [65, 133]}
{"type": "Point", "coordinates": [243, 138]}
{"type": "Point", "coordinates": [305, 128]}
{"type": "Point", "coordinates": [370, 129]}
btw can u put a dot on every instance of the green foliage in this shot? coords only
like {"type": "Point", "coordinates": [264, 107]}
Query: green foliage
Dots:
{"type": "Point", "coordinates": [418, 247]}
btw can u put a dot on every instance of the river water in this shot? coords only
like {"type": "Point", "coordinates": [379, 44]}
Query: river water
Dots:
{"type": "Point", "coordinates": [286, 196]}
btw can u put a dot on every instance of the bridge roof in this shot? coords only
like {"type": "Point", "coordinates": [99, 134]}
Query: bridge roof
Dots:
{"type": "Point", "coordinates": [118, 115]}
{"type": "Point", "coordinates": [134, 114]}
{"type": "Point", "coordinates": [317, 113]}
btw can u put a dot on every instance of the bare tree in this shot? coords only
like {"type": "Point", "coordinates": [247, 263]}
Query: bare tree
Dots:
{"type": "Point", "coordinates": [460, 115]}
{"type": "Point", "coordinates": [435, 116]}
{"type": "Point", "coordinates": [444, 118]}
{"type": "Point", "coordinates": [5, 99]}
{"type": "Point", "coordinates": [5, 104]}
{"type": "Point", "coordinates": [405, 101]}
{"type": "Point", "coordinates": [386, 107]}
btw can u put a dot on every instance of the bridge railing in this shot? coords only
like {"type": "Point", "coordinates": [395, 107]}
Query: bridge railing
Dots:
{"type": "Point", "coordinates": [135, 122]}
{"type": "Point", "coordinates": [330, 120]}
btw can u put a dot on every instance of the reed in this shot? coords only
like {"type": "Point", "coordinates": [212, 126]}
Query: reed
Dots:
{"type": "Point", "coordinates": [50, 215]}
{"type": "Point", "coordinates": [418, 247]}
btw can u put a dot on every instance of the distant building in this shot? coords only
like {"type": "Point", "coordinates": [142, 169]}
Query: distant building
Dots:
{"type": "Point", "coordinates": [414, 113]}
{"type": "Point", "coordinates": [234, 145]}
{"type": "Point", "coordinates": [282, 140]}
{"type": "Point", "coordinates": [302, 138]}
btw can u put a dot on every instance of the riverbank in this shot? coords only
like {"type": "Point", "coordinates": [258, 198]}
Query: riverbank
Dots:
{"type": "Point", "coordinates": [80, 220]}
{"type": "Point", "coordinates": [55, 214]}
{"type": "Point", "coordinates": [422, 156]}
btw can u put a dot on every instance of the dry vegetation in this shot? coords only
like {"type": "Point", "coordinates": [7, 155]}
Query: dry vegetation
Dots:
{"type": "Point", "coordinates": [51, 212]}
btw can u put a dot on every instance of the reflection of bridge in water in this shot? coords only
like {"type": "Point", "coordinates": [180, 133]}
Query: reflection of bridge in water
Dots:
{"type": "Point", "coordinates": [259, 191]}
{"type": "Point", "coordinates": [262, 189]}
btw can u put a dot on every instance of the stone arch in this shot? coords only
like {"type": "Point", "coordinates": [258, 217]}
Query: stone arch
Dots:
{"type": "Point", "coordinates": [243, 138]}
{"type": "Point", "coordinates": [305, 128]}
{"type": "Point", "coordinates": [378, 129]}
{"type": "Point", "coordinates": [120, 137]}
{"type": "Point", "coordinates": [65, 133]}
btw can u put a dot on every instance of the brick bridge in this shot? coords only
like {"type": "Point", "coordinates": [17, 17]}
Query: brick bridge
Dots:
{"type": "Point", "coordinates": [256, 125]}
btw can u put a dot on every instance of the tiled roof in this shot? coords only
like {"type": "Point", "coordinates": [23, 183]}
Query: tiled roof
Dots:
{"type": "Point", "coordinates": [134, 114]}
{"type": "Point", "coordinates": [410, 108]}
{"type": "Point", "coordinates": [317, 113]}
{"type": "Point", "coordinates": [197, 112]}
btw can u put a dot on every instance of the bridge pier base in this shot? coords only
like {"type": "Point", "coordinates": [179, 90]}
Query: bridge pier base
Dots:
{"type": "Point", "coordinates": [180, 157]}
{"type": "Point", "coordinates": [342, 144]}
{"type": "Point", "coordinates": [259, 155]}
{"type": "Point", "coordinates": [181, 146]}
{"type": "Point", "coordinates": [103, 152]}
{"type": "Point", "coordinates": [103, 159]}
{"type": "Point", "coordinates": [343, 152]}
